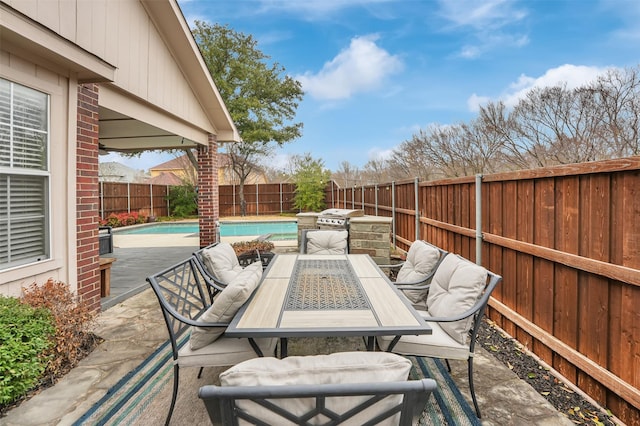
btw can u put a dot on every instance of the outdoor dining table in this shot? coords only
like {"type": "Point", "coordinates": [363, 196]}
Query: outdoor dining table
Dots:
{"type": "Point", "coordinates": [303, 295]}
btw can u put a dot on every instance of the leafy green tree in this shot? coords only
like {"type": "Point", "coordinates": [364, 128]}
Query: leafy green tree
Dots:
{"type": "Point", "coordinates": [261, 99]}
{"type": "Point", "coordinates": [183, 200]}
{"type": "Point", "coordinates": [310, 178]}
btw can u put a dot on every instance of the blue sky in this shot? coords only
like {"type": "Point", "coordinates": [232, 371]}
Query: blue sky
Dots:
{"type": "Point", "coordinates": [376, 71]}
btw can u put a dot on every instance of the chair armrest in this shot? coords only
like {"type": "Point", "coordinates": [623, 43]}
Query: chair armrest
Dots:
{"type": "Point", "coordinates": [394, 266]}
{"type": "Point", "coordinates": [411, 286]}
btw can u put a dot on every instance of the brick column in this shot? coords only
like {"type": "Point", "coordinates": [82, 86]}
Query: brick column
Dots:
{"type": "Point", "coordinates": [87, 196]}
{"type": "Point", "coordinates": [208, 208]}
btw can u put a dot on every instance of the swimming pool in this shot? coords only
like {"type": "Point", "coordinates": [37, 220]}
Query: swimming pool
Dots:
{"type": "Point", "coordinates": [277, 230]}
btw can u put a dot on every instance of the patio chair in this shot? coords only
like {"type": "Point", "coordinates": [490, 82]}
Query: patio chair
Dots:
{"type": "Point", "coordinates": [321, 241]}
{"type": "Point", "coordinates": [219, 264]}
{"type": "Point", "coordinates": [186, 306]}
{"type": "Point", "coordinates": [456, 304]}
{"type": "Point", "coordinates": [415, 273]}
{"type": "Point", "coordinates": [356, 388]}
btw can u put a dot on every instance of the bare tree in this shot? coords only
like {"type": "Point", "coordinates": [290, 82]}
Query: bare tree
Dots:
{"type": "Point", "coordinates": [244, 159]}
{"type": "Point", "coordinates": [619, 97]}
{"type": "Point", "coordinates": [378, 171]}
{"type": "Point", "coordinates": [497, 124]}
{"type": "Point", "coordinates": [411, 158]}
{"type": "Point", "coordinates": [347, 175]}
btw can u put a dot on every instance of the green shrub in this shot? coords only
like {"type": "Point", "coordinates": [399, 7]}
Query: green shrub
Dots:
{"type": "Point", "coordinates": [26, 334]}
{"type": "Point", "coordinates": [183, 200]}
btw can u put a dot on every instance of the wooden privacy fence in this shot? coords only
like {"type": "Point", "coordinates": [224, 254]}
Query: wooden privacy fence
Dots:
{"type": "Point", "coordinates": [144, 198]}
{"type": "Point", "coordinates": [151, 200]}
{"type": "Point", "coordinates": [566, 241]}
{"type": "Point", "coordinates": [262, 199]}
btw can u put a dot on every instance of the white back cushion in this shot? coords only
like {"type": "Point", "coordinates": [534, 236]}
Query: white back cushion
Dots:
{"type": "Point", "coordinates": [327, 242]}
{"type": "Point", "coordinates": [455, 288]}
{"type": "Point", "coordinates": [225, 305]}
{"type": "Point", "coordinates": [421, 259]}
{"type": "Point", "coordinates": [222, 262]}
{"type": "Point", "coordinates": [342, 367]}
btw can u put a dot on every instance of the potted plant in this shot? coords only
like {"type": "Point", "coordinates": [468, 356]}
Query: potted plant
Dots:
{"type": "Point", "coordinates": [251, 251]}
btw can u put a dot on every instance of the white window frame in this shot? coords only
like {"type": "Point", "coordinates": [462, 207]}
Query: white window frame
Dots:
{"type": "Point", "coordinates": [13, 170]}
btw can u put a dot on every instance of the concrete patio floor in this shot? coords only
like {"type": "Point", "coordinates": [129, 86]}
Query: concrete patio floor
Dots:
{"type": "Point", "coordinates": [132, 326]}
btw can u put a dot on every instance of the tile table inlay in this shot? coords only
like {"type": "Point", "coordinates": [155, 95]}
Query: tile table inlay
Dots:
{"type": "Point", "coordinates": [321, 284]}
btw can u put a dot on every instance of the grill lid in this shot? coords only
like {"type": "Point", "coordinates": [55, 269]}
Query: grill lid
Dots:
{"type": "Point", "coordinates": [341, 213]}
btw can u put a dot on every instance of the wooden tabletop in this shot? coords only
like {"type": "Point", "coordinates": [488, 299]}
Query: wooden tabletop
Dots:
{"type": "Point", "coordinates": [325, 295]}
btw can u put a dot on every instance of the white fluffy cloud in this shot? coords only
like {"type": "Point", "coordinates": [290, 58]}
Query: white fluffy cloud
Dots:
{"type": "Point", "coordinates": [571, 75]}
{"type": "Point", "coordinates": [359, 68]}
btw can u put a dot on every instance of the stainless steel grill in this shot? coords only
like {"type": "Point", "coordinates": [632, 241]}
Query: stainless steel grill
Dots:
{"type": "Point", "coordinates": [336, 218]}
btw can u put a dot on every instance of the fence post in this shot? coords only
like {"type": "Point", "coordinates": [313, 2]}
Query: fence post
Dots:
{"type": "Point", "coordinates": [257, 200]}
{"type": "Point", "coordinates": [416, 188]}
{"type": "Point", "coordinates": [376, 199]}
{"type": "Point", "coordinates": [128, 198]}
{"type": "Point", "coordinates": [393, 211]}
{"type": "Point", "coordinates": [362, 195]}
{"type": "Point", "coordinates": [234, 199]}
{"type": "Point", "coordinates": [479, 219]}
{"type": "Point", "coordinates": [151, 196]}
{"type": "Point", "coordinates": [168, 206]}
{"type": "Point", "coordinates": [280, 197]}
{"type": "Point", "coordinates": [344, 197]}
{"type": "Point", "coordinates": [333, 201]}
{"type": "Point", "coordinates": [102, 200]}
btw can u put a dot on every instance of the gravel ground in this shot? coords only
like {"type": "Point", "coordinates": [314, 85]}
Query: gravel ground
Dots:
{"type": "Point", "coordinates": [512, 354]}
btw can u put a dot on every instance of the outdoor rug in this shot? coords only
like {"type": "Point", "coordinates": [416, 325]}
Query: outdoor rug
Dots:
{"type": "Point", "coordinates": [142, 397]}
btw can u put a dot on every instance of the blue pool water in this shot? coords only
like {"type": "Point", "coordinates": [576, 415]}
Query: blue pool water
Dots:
{"type": "Point", "coordinates": [279, 230]}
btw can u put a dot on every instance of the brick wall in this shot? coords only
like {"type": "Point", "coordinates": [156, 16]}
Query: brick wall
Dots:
{"type": "Point", "coordinates": [87, 195]}
{"type": "Point", "coordinates": [208, 209]}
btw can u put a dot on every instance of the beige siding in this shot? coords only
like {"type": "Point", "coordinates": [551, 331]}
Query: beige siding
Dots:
{"type": "Point", "coordinates": [61, 266]}
{"type": "Point", "coordinates": [121, 33]}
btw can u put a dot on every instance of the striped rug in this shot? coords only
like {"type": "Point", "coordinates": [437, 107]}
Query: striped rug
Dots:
{"type": "Point", "coordinates": [142, 397]}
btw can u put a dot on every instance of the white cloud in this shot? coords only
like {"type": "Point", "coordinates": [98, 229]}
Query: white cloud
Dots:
{"type": "Point", "coordinates": [361, 67]}
{"type": "Point", "coordinates": [570, 75]}
{"type": "Point", "coordinates": [491, 24]}
{"type": "Point", "coordinates": [475, 101]}
{"type": "Point", "coordinates": [483, 15]}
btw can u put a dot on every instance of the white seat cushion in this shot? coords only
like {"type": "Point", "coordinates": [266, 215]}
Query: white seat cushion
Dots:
{"type": "Point", "coordinates": [222, 262]}
{"type": "Point", "coordinates": [421, 259]}
{"type": "Point", "coordinates": [437, 345]}
{"type": "Point", "coordinates": [344, 367]}
{"type": "Point", "coordinates": [456, 286]}
{"type": "Point", "coordinates": [327, 242]}
{"type": "Point", "coordinates": [225, 305]}
{"type": "Point", "coordinates": [224, 351]}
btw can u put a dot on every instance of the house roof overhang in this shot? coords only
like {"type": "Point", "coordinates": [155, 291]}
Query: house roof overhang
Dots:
{"type": "Point", "coordinates": [175, 31]}
{"type": "Point", "coordinates": [22, 36]}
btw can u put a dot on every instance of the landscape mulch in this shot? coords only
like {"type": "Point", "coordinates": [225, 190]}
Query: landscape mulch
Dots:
{"type": "Point", "coordinates": [515, 356]}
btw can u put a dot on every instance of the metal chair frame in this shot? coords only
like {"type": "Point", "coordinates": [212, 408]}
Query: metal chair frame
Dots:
{"type": "Point", "coordinates": [221, 401]}
{"type": "Point", "coordinates": [477, 311]}
{"type": "Point", "coordinates": [183, 299]}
